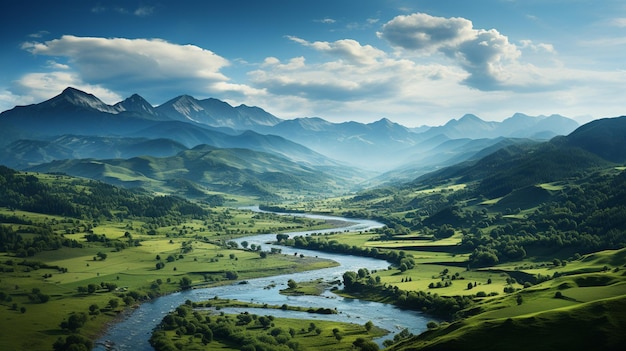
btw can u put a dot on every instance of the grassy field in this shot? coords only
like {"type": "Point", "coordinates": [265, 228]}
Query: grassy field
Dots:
{"type": "Point", "coordinates": [194, 250]}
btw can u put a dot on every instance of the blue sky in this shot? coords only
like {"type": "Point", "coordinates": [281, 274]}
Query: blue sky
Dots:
{"type": "Point", "coordinates": [414, 62]}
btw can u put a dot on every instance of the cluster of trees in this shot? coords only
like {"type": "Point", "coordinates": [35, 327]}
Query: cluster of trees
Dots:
{"type": "Point", "coordinates": [184, 321]}
{"type": "Point", "coordinates": [362, 282]}
{"type": "Point", "coordinates": [26, 192]}
{"type": "Point", "coordinates": [247, 331]}
{"type": "Point", "coordinates": [320, 243]}
{"type": "Point", "coordinates": [44, 239]}
{"type": "Point", "coordinates": [582, 218]}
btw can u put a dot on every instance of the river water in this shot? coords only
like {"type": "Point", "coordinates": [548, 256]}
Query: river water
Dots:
{"type": "Point", "coordinates": [133, 332]}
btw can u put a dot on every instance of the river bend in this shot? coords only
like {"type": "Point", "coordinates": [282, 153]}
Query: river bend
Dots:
{"type": "Point", "coordinates": [133, 332]}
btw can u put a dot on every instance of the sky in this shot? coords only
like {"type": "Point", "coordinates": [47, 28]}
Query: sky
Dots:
{"type": "Point", "coordinates": [415, 62]}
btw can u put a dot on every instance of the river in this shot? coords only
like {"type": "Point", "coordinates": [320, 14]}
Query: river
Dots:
{"type": "Point", "coordinates": [133, 332]}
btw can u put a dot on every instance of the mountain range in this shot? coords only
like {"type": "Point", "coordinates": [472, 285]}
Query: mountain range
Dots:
{"type": "Point", "coordinates": [76, 125]}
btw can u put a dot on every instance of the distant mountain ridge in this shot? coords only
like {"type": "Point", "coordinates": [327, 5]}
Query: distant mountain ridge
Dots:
{"type": "Point", "coordinates": [377, 146]}
{"type": "Point", "coordinates": [216, 113]}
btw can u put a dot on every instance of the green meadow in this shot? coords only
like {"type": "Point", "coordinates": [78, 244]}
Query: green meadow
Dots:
{"type": "Point", "coordinates": [75, 279]}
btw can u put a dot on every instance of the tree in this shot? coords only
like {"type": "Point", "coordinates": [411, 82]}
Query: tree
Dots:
{"type": "Point", "coordinates": [432, 325]}
{"type": "Point", "coordinates": [265, 321]}
{"type": "Point", "coordinates": [349, 280]}
{"type": "Point", "coordinates": [368, 326]}
{"type": "Point", "coordinates": [73, 342]}
{"type": "Point", "coordinates": [292, 284]}
{"type": "Point", "coordinates": [363, 272]}
{"type": "Point", "coordinates": [445, 231]}
{"type": "Point", "coordinates": [114, 303]}
{"type": "Point", "coordinates": [91, 288]}
{"type": "Point", "coordinates": [185, 283]}
{"type": "Point", "coordinates": [74, 321]}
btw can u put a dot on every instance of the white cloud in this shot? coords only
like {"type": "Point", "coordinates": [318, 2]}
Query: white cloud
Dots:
{"type": "Point", "coordinates": [486, 55]}
{"type": "Point", "coordinates": [135, 65]}
{"type": "Point", "coordinates": [540, 47]}
{"type": "Point", "coordinates": [37, 87]}
{"type": "Point", "coordinates": [357, 81]}
{"type": "Point", "coordinates": [141, 11]}
{"type": "Point", "coordinates": [56, 65]}
{"type": "Point", "coordinates": [346, 49]}
{"type": "Point", "coordinates": [326, 20]}
{"type": "Point", "coordinates": [39, 34]}
{"type": "Point", "coordinates": [422, 32]}
{"type": "Point", "coordinates": [129, 59]}
{"type": "Point", "coordinates": [144, 11]}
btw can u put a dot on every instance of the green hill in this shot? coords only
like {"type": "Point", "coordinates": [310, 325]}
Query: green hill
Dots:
{"type": "Point", "coordinates": [233, 171]}
{"type": "Point", "coordinates": [597, 325]}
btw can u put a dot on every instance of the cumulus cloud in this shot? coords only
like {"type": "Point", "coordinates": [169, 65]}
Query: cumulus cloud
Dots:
{"type": "Point", "coordinates": [37, 87]}
{"type": "Point", "coordinates": [135, 65]}
{"type": "Point", "coordinates": [156, 60]}
{"type": "Point", "coordinates": [353, 73]}
{"type": "Point", "coordinates": [346, 49]}
{"type": "Point", "coordinates": [486, 55]}
{"type": "Point", "coordinates": [426, 33]}
{"type": "Point", "coordinates": [540, 47]}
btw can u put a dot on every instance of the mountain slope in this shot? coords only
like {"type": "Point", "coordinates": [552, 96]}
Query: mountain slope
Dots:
{"type": "Point", "coordinates": [235, 171]}
{"type": "Point", "coordinates": [604, 137]}
{"type": "Point", "coordinates": [138, 105]}
{"type": "Point", "coordinates": [595, 145]}
{"type": "Point", "coordinates": [216, 113]}
{"type": "Point", "coordinates": [192, 135]}
{"type": "Point", "coordinates": [25, 153]}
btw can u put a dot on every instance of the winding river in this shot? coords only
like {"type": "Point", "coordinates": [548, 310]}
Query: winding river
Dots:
{"type": "Point", "coordinates": [133, 332]}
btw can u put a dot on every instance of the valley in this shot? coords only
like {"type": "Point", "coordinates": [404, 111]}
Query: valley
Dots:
{"type": "Point", "coordinates": [467, 230]}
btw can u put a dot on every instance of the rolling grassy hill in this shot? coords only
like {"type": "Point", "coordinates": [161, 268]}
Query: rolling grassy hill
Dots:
{"type": "Point", "coordinates": [582, 309]}
{"type": "Point", "coordinates": [205, 169]}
